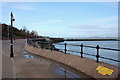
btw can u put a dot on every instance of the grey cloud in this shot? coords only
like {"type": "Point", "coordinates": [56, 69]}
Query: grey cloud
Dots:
{"type": "Point", "coordinates": [85, 27]}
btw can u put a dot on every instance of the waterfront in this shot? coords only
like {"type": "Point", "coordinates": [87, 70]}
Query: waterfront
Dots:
{"type": "Point", "coordinates": [85, 65]}
{"type": "Point", "coordinates": [103, 53]}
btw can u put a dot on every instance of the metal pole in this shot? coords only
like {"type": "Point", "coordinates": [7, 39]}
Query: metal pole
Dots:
{"type": "Point", "coordinates": [97, 56]}
{"type": "Point", "coordinates": [81, 50]}
{"type": "Point", "coordinates": [9, 32]}
{"type": "Point", "coordinates": [51, 46]}
{"type": "Point", "coordinates": [65, 47]}
{"type": "Point", "coordinates": [11, 36]}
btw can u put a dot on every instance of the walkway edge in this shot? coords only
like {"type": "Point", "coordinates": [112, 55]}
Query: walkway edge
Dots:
{"type": "Point", "coordinates": [85, 65]}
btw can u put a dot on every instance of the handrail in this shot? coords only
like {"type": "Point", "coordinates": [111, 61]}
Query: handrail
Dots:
{"type": "Point", "coordinates": [110, 49]}
{"type": "Point", "coordinates": [91, 47]}
{"type": "Point", "coordinates": [30, 42]}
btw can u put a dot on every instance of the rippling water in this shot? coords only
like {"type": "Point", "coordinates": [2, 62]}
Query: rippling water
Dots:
{"type": "Point", "coordinates": [103, 53]}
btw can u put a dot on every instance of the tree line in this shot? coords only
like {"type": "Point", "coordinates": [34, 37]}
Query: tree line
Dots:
{"type": "Point", "coordinates": [17, 34]}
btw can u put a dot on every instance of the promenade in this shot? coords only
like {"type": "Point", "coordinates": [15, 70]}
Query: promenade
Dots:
{"type": "Point", "coordinates": [100, 70]}
{"type": "Point", "coordinates": [27, 65]}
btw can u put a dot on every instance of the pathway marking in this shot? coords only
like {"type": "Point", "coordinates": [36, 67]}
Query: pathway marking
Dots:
{"type": "Point", "coordinates": [104, 71]}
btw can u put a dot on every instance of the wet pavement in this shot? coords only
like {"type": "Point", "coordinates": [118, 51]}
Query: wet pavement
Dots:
{"type": "Point", "coordinates": [27, 65]}
{"type": "Point", "coordinates": [52, 68]}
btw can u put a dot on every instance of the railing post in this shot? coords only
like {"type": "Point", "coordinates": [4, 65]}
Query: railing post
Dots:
{"type": "Point", "coordinates": [81, 50]}
{"type": "Point", "coordinates": [34, 44]}
{"type": "Point", "coordinates": [65, 47]}
{"type": "Point", "coordinates": [51, 46]}
{"type": "Point", "coordinates": [97, 56]}
{"type": "Point", "coordinates": [42, 43]}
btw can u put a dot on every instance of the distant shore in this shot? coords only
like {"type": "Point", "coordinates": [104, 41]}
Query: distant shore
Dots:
{"type": "Point", "coordinates": [91, 40]}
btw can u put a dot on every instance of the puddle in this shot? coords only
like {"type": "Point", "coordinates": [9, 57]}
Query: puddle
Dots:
{"type": "Point", "coordinates": [25, 52]}
{"type": "Point", "coordinates": [66, 73]}
{"type": "Point", "coordinates": [69, 74]}
{"type": "Point", "coordinates": [54, 68]}
{"type": "Point", "coordinates": [28, 56]}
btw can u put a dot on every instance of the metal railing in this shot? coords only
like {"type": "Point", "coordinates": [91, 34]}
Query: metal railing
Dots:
{"type": "Point", "coordinates": [81, 50]}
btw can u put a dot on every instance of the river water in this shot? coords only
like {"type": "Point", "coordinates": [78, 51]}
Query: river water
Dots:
{"type": "Point", "coordinates": [103, 53]}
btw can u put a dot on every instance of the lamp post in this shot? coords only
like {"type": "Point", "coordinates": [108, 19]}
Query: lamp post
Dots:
{"type": "Point", "coordinates": [11, 36]}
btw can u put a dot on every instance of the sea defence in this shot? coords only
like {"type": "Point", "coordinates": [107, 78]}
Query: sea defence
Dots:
{"type": "Point", "coordinates": [88, 66]}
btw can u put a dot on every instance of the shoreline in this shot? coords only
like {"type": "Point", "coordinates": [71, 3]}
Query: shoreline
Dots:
{"type": "Point", "coordinates": [91, 40]}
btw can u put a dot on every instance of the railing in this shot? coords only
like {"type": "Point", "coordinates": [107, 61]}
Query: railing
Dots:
{"type": "Point", "coordinates": [81, 50]}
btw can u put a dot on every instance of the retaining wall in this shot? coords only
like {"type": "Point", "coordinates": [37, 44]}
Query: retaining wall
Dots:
{"type": "Point", "coordinates": [85, 65]}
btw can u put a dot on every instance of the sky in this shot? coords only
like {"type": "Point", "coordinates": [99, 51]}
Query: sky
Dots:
{"type": "Point", "coordinates": [64, 19]}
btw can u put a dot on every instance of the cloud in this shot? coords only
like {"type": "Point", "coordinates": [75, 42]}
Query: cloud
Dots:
{"type": "Point", "coordinates": [20, 6]}
{"type": "Point", "coordinates": [24, 7]}
{"type": "Point", "coordinates": [55, 21]}
{"type": "Point", "coordinates": [59, 0]}
{"type": "Point", "coordinates": [101, 23]}
{"type": "Point", "coordinates": [109, 4]}
{"type": "Point", "coordinates": [104, 20]}
{"type": "Point", "coordinates": [47, 22]}
{"type": "Point", "coordinates": [106, 26]}
{"type": "Point", "coordinates": [85, 26]}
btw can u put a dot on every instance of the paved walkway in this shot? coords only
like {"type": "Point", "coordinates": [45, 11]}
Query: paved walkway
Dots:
{"type": "Point", "coordinates": [26, 65]}
{"type": "Point", "coordinates": [7, 62]}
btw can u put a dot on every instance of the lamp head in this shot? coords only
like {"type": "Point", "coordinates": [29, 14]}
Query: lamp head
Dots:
{"type": "Point", "coordinates": [13, 19]}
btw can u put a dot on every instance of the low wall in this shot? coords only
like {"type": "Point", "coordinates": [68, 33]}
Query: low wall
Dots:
{"type": "Point", "coordinates": [85, 65]}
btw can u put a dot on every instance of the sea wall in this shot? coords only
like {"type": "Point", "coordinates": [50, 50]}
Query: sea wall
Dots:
{"type": "Point", "coordinates": [85, 65]}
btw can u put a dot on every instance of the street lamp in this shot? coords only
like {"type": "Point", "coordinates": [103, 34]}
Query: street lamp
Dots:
{"type": "Point", "coordinates": [11, 36]}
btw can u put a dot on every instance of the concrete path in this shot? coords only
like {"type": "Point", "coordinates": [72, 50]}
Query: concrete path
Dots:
{"type": "Point", "coordinates": [26, 65]}
{"type": "Point", "coordinates": [7, 62]}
